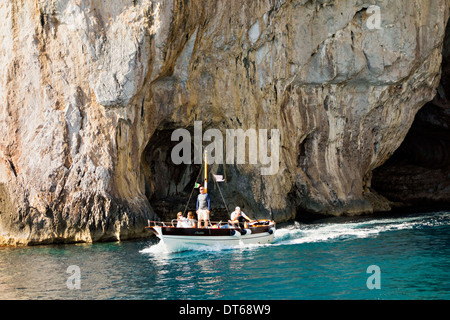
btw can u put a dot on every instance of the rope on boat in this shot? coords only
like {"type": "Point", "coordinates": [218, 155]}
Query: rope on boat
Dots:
{"type": "Point", "coordinates": [218, 187]}
{"type": "Point", "coordinates": [226, 207]}
{"type": "Point", "coordinates": [189, 200]}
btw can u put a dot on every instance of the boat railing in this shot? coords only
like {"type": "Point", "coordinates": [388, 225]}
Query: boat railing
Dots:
{"type": "Point", "coordinates": [212, 224]}
{"type": "Point", "coordinates": [173, 223]}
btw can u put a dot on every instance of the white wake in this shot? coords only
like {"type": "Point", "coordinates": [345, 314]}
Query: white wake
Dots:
{"type": "Point", "coordinates": [297, 233]}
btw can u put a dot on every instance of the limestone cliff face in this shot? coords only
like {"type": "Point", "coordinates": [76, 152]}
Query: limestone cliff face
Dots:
{"type": "Point", "coordinates": [419, 171]}
{"type": "Point", "coordinates": [91, 90]}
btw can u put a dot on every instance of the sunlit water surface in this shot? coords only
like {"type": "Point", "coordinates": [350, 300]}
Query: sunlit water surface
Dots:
{"type": "Point", "coordinates": [324, 260]}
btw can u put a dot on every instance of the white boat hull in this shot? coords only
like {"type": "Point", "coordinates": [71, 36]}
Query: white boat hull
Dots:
{"type": "Point", "coordinates": [181, 242]}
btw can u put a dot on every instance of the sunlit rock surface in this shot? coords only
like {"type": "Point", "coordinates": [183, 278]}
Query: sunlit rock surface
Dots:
{"type": "Point", "coordinates": [90, 92]}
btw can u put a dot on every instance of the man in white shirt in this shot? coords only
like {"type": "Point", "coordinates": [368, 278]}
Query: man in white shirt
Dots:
{"type": "Point", "coordinates": [237, 216]}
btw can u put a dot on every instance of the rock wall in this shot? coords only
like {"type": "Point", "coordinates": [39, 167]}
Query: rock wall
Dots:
{"type": "Point", "coordinates": [418, 174]}
{"type": "Point", "coordinates": [90, 91]}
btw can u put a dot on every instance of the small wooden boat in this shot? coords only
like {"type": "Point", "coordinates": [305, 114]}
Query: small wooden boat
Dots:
{"type": "Point", "coordinates": [218, 234]}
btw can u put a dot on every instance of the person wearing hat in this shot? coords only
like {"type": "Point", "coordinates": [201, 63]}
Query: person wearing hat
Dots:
{"type": "Point", "coordinates": [239, 217]}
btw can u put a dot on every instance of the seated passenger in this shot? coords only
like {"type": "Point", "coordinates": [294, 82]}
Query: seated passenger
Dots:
{"type": "Point", "coordinates": [190, 221]}
{"type": "Point", "coordinates": [239, 217]}
{"type": "Point", "coordinates": [180, 220]}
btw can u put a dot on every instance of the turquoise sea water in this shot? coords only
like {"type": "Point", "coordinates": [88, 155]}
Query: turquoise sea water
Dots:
{"type": "Point", "coordinates": [323, 260]}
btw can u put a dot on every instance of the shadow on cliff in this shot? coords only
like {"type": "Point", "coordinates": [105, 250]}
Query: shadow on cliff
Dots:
{"type": "Point", "coordinates": [169, 187]}
{"type": "Point", "coordinates": [418, 174]}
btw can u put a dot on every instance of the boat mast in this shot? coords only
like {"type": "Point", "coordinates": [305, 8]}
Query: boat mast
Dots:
{"type": "Point", "coordinates": [206, 173]}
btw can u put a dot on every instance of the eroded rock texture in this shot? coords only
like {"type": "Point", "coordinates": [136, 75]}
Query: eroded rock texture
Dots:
{"type": "Point", "coordinates": [91, 90]}
{"type": "Point", "coordinates": [418, 174]}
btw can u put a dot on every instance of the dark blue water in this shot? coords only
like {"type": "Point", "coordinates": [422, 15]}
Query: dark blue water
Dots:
{"type": "Point", "coordinates": [327, 260]}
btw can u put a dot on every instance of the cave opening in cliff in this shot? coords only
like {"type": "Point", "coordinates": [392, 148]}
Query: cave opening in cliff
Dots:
{"type": "Point", "coordinates": [418, 173]}
{"type": "Point", "coordinates": [167, 185]}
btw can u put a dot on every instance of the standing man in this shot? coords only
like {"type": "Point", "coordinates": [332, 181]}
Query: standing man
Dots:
{"type": "Point", "coordinates": [203, 207]}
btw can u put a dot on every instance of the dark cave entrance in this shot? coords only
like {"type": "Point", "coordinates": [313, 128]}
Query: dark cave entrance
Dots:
{"type": "Point", "coordinates": [418, 173]}
{"type": "Point", "coordinates": [167, 186]}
